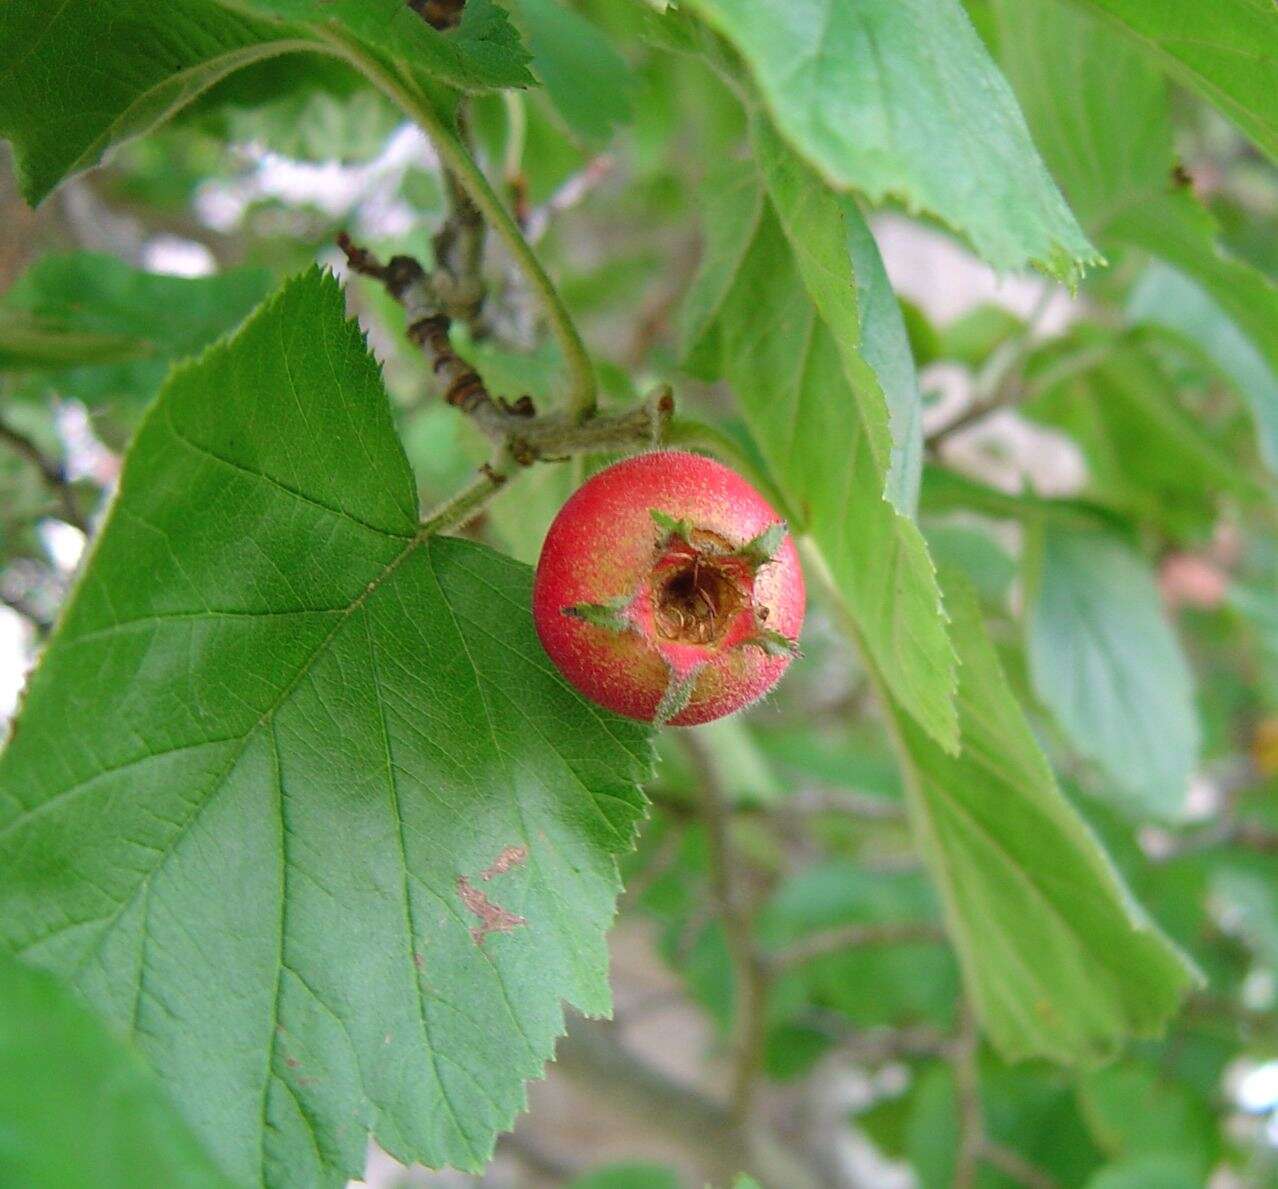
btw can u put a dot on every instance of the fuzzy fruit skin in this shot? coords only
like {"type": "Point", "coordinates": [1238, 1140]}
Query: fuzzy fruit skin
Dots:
{"type": "Point", "coordinates": [603, 544]}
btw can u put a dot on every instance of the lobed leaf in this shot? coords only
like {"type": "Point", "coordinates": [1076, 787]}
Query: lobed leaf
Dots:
{"type": "Point", "coordinates": [295, 800]}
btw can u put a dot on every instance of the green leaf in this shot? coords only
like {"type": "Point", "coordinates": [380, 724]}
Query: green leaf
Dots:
{"type": "Point", "coordinates": [482, 53]}
{"type": "Point", "coordinates": [587, 80]}
{"type": "Point", "coordinates": [844, 275]}
{"type": "Point", "coordinates": [78, 1107]}
{"type": "Point", "coordinates": [1117, 170]}
{"type": "Point", "coordinates": [1059, 960]}
{"type": "Point", "coordinates": [1140, 1172]}
{"type": "Point", "coordinates": [336, 841]}
{"type": "Point", "coordinates": [946, 490]}
{"type": "Point", "coordinates": [1029, 1109]}
{"type": "Point", "coordinates": [870, 985]}
{"type": "Point", "coordinates": [788, 328]}
{"type": "Point", "coordinates": [28, 342]}
{"type": "Point", "coordinates": [151, 59]}
{"type": "Point", "coordinates": [980, 558]}
{"type": "Point", "coordinates": [1175, 228]}
{"type": "Point", "coordinates": [1096, 106]}
{"type": "Point", "coordinates": [84, 301]}
{"type": "Point", "coordinates": [1105, 661]}
{"type": "Point", "coordinates": [1147, 455]}
{"type": "Point", "coordinates": [318, 110]}
{"type": "Point", "coordinates": [899, 98]}
{"type": "Point", "coordinates": [973, 337]}
{"type": "Point", "coordinates": [1224, 50]}
{"type": "Point", "coordinates": [1134, 1109]}
{"type": "Point", "coordinates": [1166, 298]}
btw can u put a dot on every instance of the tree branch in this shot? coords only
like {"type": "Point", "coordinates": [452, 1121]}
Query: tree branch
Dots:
{"type": "Point", "coordinates": [459, 255]}
{"type": "Point", "coordinates": [51, 472]}
{"type": "Point", "coordinates": [404, 92]}
{"type": "Point", "coordinates": [513, 426]}
{"type": "Point", "coordinates": [750, 972]}
{"type": "Point", "coordinates": [860, 936]}
{"type": "Point", "coordinates": [1014, 1165]}
{"type": "Point", "coordinates": [42, 624]}
{"type": "Point", "coordinates": [967, 1097]}
{"type": "Point", "coordinates": [591, 1054]}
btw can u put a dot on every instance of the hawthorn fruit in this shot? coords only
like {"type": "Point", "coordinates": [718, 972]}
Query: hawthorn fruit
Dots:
{"type": "Point", "coordinates": [669, 590]}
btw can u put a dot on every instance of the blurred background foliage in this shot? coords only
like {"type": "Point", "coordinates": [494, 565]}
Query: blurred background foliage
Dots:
{"type": "Point", "coordinates": [1113, 501]}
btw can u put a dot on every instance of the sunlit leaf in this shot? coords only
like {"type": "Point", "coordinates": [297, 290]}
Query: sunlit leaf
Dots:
{"type": "Point", "coordinates": [295, 800]}
{"type": "Point", "coordinates": [899, 98]}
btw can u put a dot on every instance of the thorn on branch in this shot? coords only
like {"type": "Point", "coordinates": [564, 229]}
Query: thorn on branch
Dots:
{"type": "Point", "coordinates": [512, 425]}
{"type": "Point", "coordinates": [360, 260]}
{"type": "Point", "coordinates": [492, 474]}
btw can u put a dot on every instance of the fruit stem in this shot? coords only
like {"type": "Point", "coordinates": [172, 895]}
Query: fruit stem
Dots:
{"type": "Point", "coordinates": [407, 95]}
{"type": "Point", "coordinates": [456, 511]}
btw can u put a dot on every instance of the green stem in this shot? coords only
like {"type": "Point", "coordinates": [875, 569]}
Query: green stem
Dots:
{"type": "Point", "coordinates": [455, 512]}
{"type": "Point", "coordinates": [405, 94]}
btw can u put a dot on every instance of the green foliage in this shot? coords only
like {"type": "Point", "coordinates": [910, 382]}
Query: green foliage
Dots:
{"type": "Point", "coordinates": [1118, 172]}
{"type": "Point", "coordinates": [1221, 50]}
{"type": "Point", "coordinates": [107, 331]}
{"type": "Point", "coordinates": [152, 59]}
{"type": "Point", "coordinates": [304, 844]}
{"type": "Point", "coordinates": [587, 80]}
{"type": "Point", "coordinates": [787, 285]}
{"type": "Point", "coordinates": [343, 813]}
{"type": "Point", "coordinates": [1105, 661]}
{"type": "Point", "coordinates": [1059, 960]}
{"type": "Point", "coordinates": [916, 111]}
{"type": "Point", "coordinates": [80, 1108]}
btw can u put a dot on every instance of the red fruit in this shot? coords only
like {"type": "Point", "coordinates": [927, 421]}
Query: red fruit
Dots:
{"type": "Point", "coordinates": [668, 590]}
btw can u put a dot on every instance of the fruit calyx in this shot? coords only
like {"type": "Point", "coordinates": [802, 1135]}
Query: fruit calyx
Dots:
{"type": "Point", "coordinates": [696, 601]}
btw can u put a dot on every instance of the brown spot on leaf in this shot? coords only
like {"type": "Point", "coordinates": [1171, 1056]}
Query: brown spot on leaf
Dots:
{"type": "Point", "coordinates": [492, 919]}
{"type": "Point", "coordinates": [292, 1062]}
{"type": "Point", "coordinates": [512, 856]}
{"type": "Point", "coordinates": [417, 960]}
